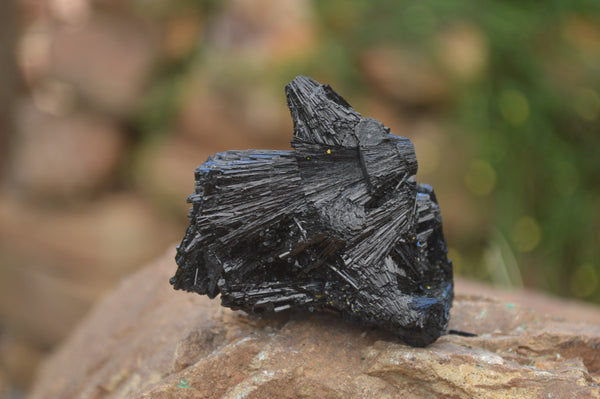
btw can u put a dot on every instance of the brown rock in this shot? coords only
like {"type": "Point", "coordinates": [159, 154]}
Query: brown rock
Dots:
{"type": "Point", "coordinates": [18, 362]}
{"type": "Point", "coordinates": [263, 31]}
{"type": "Point", "coordinates": [148, 341]}
{"type": "Point", "coordinates": [404, 76]}
{"type": "Point", "coordinates": [254, 117]}
{"type": "Point", "coordinates": [61, 157]}
{"type": "Point", "coordinates": [108, 60]}
{"type": "Point", "coordinates": [542, 303]}
{"type": "Point", "coordinates": [9, 72]}
{"type": "Point", "coordinates": [55, 262]}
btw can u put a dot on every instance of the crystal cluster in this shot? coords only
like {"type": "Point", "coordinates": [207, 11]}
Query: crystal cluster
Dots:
{"type": "Point", "coordinates": [338, 223]}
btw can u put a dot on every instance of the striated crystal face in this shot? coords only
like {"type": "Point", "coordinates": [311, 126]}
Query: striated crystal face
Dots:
{"type": "Point", "coordinates": [339, 223]}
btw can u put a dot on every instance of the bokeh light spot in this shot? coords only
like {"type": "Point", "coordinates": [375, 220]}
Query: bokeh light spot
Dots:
{"type": "Point", "coordinates": [480, 178]}
{"type": "Point", "coordinates": [587, 104]}
{"type": "Point", "coordinates": [584, 281]}
{"type": "Point", "coordinates": [514, 107]}
{"type": "Point", "coordinates": [526, 234]}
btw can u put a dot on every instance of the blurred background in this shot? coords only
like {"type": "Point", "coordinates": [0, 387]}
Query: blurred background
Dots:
{"type": "Point", "coordinates": [107, 106]}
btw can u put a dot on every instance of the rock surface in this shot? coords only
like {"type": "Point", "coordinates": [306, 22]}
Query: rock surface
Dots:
{"type": "Point", "coordinates": [55, 262]}
{"type": "Point", "coordinates": [63, 158]}
{"type": "Point", "coordinates": [146, 341]}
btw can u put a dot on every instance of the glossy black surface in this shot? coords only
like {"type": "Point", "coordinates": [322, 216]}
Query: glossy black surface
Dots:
{"type": "Point", "coordinates": [339, 223]}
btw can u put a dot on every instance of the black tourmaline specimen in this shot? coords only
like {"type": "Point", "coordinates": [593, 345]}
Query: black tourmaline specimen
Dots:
{"type": "Point", "coordinates": [339, 223]}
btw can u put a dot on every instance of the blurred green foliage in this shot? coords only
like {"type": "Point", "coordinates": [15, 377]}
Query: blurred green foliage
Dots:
{"type": "Point", "coordinates": [533, 116]}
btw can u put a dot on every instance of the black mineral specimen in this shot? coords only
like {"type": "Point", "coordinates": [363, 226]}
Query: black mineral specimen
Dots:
{"type": "Point", "coordinates": [339, 223]}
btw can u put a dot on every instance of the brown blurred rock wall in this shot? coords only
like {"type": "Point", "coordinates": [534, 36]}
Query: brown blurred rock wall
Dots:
{"type": "Point", "coordinates": [70, 224]}
{"type": "Point", "coordinates": [10, 75]}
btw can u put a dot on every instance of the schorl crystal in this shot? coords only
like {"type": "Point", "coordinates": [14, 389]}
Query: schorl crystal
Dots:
{"type": "Point", "coordinates": [338, 223]}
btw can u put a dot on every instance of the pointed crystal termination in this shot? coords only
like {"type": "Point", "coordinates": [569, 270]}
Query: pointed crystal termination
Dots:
{"type": "Point", "coordinates": [339, 223]}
